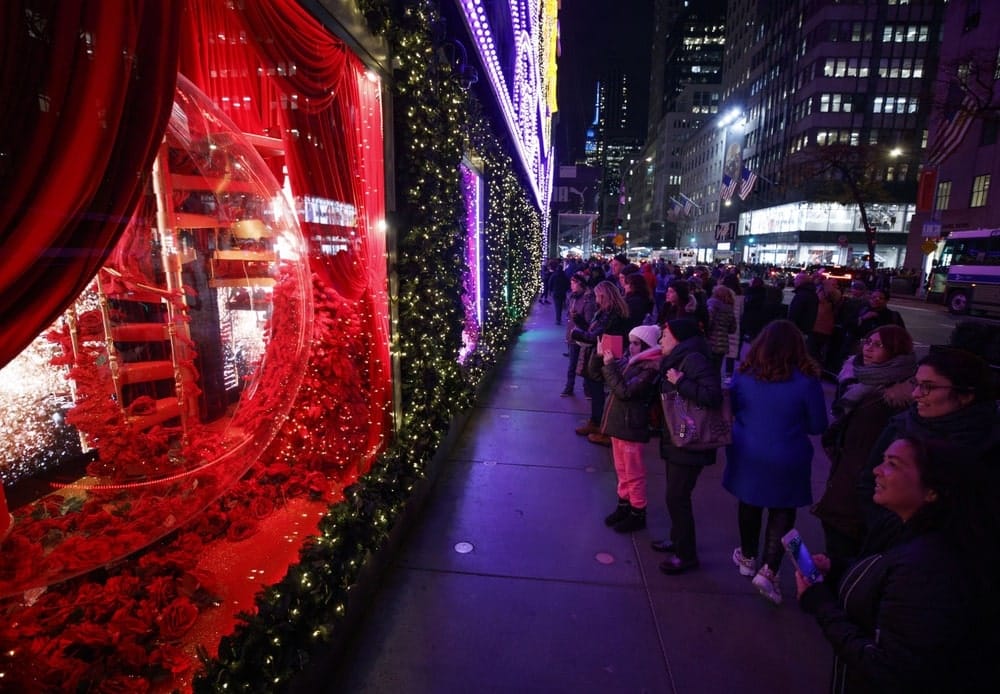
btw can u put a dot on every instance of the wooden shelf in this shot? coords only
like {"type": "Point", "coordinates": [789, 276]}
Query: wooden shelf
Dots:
{"type": "Point", "coordinates": [247, 256]}
{"type": "Point", "coordinates": [166, 408]}
{"type": "Point", "coordinates": [144, 297]}
{"type": "Point", "coordinates": [218, 186]}
{"type": "Point", "coordinates": [219, 282]}
{"type": "Point", "coordinates": [145, 371]}
{"type": "Point", "coordinates": [188, 220]}
{"type": "Point", "coordinates": [140, 332]}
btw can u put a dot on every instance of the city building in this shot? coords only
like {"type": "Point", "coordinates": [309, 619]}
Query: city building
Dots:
{"type": "Point", "coordinates": [685, 81]}
{"type": "Point", "coordinates": [962, 153]}
{"type": "Point", "coordinates": [833, 103]}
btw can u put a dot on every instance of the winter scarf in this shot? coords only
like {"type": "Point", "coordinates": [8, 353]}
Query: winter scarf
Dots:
{"type": "Point", "coordinates": [867, 379]}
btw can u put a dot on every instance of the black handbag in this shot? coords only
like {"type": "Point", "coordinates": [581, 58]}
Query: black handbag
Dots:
{"type": "Point", "coordinates": [694, 427]}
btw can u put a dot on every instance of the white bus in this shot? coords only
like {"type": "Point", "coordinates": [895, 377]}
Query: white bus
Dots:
{"type": "Point", "coordinates": [973, 262]}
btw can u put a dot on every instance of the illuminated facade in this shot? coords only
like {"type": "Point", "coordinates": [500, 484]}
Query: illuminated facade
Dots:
{"type": "Point", "coordinates": [520, 71]}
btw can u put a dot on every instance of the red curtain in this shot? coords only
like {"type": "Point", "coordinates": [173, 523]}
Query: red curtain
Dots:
{"type": "Point", "coordinates": [87, 90]}
{"type": "Point", "coordinates": [328, 111]}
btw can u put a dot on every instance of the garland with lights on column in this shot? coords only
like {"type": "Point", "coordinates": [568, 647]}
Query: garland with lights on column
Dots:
{"type": "Point", "coordinates": [435, 125]}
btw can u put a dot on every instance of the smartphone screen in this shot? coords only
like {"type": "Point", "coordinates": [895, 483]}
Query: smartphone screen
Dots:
{"type": "Point", "coordinates": [800, 556]}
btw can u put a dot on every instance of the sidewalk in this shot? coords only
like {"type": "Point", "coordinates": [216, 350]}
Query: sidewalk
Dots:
{"type": "Point", "coordinates": [512, 583]}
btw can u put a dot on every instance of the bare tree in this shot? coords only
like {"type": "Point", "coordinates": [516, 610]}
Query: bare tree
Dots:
{"type": "Point", "coordinates": [849, 174]}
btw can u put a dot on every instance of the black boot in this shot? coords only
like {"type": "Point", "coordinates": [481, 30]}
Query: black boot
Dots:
{"type": "Point", "coordinates": [619, 514]}
{"type": "Point", "coordinates": [635, 520]}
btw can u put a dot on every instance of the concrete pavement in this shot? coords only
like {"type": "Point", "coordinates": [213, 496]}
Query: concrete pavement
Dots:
{"type": "Point", "coordinates": [510, 582]}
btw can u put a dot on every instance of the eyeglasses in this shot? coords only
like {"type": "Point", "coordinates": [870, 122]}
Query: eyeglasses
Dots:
{"type": "Point", "coordinates": [869, 342]}
{"type": "Point", "coordinates": [926, 388]}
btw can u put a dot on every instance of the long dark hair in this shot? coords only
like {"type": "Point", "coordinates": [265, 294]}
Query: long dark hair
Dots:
{"type": "Point", "coordinates": [777, 352]}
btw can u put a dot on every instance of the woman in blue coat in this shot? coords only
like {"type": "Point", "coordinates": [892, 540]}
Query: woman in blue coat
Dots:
{"type": "Point", "coordinates": [777, 403]}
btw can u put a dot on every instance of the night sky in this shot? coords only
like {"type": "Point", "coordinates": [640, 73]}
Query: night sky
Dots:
{"type": "Point", "coordinates": [595, 35]}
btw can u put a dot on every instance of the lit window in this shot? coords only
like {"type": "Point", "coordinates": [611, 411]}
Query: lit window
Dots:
{"type": "Point", "coordinates": [943, 195]}
{"type": "Point", "coordinates": [980, 191]}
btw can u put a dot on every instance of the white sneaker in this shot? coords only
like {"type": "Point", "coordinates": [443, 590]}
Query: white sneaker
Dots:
{"type": "Point", "coordinates": [747, 565]}
{"type": "Point", "coordinates": [766, 583]}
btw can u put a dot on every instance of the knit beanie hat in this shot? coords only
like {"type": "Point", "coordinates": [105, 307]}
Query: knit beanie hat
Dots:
{"type": "Point", "coordinates": [683, 328]}
{"type": "Point", "coordinates": [649, 334]}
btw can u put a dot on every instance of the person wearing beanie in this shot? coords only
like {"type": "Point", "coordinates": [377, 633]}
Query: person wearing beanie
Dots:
{"type": "Point", "coordinates": [632, 387]}
{"type": "Point", "coordinates": [686, 368]}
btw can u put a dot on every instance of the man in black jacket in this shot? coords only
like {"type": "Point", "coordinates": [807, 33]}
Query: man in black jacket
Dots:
{"type": "Point", "coordinates": [805, 304]}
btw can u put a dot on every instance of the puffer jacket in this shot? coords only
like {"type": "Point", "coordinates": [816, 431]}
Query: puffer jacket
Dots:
{"type": "Point", "coordinates": [902, 621]}
{"type": "Point", "coordinates": [702, 383]}
{"type": "Point", "coordinates": [721, 323]}
{"type": "Point", "coordinates": [581, 304]}
{"type": "Point", "coordinates": [632, 388]}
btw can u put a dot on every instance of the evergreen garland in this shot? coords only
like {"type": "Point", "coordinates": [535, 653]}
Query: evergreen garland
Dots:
{"type": "Point", "coordinates": [436, 122]}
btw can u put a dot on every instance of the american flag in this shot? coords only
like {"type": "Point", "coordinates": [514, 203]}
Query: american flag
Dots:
{"type": "Point", "coordinates": [748, 179]}
{"type": "Point", "coordinates": [952, 131]}
{"type": "Point", "coordinates": [674, 208]}
{"type": "Point", "coordinates": [728, 186]}
{"type": "Point", "coordinates": [689, 204]}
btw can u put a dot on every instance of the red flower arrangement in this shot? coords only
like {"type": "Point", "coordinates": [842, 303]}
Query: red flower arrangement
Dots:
{"type": "Point", "coordinates": [120, 629]}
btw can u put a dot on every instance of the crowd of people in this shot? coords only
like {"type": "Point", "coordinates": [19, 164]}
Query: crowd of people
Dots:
{"type": "Point", "coordinates": [904, 589]}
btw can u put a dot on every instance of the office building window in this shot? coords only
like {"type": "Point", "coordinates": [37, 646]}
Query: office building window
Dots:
{"type": "Point", "coordinates": [943, 195]}
{"type": "Point", "coordinates": [980, 191]}
{"type": "Point", "coordinates": [904, 68]}
{"type": "Point", "coordinates": [845, 67]}
{"type": "Point", "coordinates": [836, 103]}
{"type": "Point", "coordinates": [895, 104]}
{"type": "Point", "coordinates": [905, 33]}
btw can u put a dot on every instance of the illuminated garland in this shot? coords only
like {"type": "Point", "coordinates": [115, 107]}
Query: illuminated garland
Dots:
{"type": "Point", "coordinates": [436, 123]}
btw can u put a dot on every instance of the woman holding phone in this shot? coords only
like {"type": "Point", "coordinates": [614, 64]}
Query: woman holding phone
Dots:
{"type": "Point", "coordinates": [917, 616]}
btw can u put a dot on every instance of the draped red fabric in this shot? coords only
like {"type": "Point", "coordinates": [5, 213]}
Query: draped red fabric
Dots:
{"type": "Point", "coordinates": [87, 89]}
{"type": "Point", "coordinates": [299, 51]}
{"type": "Point", "coordinates": [216, 56]}
{"type": "Point", "coordinates": [273, 68]}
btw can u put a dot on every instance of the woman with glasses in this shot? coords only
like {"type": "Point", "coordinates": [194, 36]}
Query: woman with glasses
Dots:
{"type": "Point", "coordinates": [954, 399]}
{"type": "Point", "coordinates": [873, 386]}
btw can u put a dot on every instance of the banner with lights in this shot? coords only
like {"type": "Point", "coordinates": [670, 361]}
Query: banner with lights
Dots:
{"type": "Point", "coordinates": [526, 97]}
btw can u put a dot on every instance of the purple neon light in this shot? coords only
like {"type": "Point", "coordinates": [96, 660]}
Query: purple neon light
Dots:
{"type": "Point", "coordinates": [535, 157]}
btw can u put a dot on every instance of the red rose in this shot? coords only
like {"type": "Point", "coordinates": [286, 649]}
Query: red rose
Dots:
{"type": "Point", "coordinates": [171, 659]}
{"type": "Point", "coordinates": [261, 507]}
{"type": "Point", "coordinates": [125, 624]}
{"type": "Point", "coordinates": [86, 634]}
{"type": "Point", "coordinates": [124, 684]}
{"type": "Point", "coordinates": [177, 618]}
{"type": "Point", "coordinates": [241, 528]}
{"type": "Point", "coordinates": [161, 590]}
{"type": "Point", "coordinates": [80, 553]}
{"type": "Point", "coordinates": [131, 654]}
